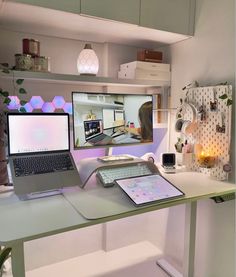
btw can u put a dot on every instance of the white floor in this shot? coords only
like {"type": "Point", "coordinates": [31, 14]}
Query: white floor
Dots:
{"type": "Point", "coordinates": [135, 260]}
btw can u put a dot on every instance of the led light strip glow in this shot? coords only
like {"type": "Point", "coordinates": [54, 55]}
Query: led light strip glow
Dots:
{"type": "Point", "coordinates": [37, 103]}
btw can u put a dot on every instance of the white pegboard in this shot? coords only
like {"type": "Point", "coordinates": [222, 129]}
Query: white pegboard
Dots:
{"type": "Point", "coordinates": [207, 132]}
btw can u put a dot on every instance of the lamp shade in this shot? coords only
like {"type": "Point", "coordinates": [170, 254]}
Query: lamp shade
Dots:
{"type": "Point", "coordinates": [87, 62]}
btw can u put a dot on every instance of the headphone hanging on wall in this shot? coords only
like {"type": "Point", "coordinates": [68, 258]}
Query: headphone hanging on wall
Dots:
{"type": "Point", "coordinates": [186, 126]}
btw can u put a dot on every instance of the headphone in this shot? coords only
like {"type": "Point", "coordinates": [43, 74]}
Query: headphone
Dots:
{"type": "Point", "coordinates": [186, 126]}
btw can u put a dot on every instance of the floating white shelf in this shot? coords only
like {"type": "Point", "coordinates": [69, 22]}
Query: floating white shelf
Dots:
{"type": "Point", "coordinates": [84, 80]}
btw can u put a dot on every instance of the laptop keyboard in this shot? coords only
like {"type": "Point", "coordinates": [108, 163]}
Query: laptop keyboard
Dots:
{"type": "Point", "coordinates": [42, 164]}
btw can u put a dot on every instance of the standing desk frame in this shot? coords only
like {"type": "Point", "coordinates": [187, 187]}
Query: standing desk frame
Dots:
{"type": "Point", "coordinates": [23, 221]}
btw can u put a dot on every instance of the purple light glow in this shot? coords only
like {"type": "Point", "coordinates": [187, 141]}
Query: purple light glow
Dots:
{"type": "Point", "coordinates": [14, 104]}
{"type": "Point", "coordinates": [28, 107]}
{"type": "Point", "coordinates": [139, 150]}
{"type": "Point", "coordinates": [58, 102]}
{"type": "Point", "coordinates": [48, 107]}
{"type": "Point", "coordinates": [36, 102]}
{"type": "Point", "coordinates": [68, 108]}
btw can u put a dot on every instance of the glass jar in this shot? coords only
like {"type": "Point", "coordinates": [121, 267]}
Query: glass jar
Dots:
{"type": "Point", "coordinates": [31, 47]}
{"type": "Point", "coordinates": [41, 64]}
{"type": "Point", "coordinates": [23, 62]}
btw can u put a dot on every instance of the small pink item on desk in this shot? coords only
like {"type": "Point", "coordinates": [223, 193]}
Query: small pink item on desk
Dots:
{"type": "Point", "coordinates": [131, 125]}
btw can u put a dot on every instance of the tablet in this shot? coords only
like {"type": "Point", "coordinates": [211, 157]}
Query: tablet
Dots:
{"type": "Point", "coordinates": [147, 189]}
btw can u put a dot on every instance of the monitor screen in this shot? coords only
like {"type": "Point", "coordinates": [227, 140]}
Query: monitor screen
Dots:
{"type": "Point", "coordinates": [111, 119]}
{"type": "Point", "coordinates": [33, 133]}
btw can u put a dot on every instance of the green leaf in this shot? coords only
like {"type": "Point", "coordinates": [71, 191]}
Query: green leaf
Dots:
{"type": "Point", "coordinates": [19, 81]}
{"type": "Point", "coordinates": [4, 64]}
{"type": "Point", "coordinates": [4, 93]}
{"type": "Point", "coordinates": [23, 102]}
{"type": "Point", "coordinates": [7, 101]}
{"type": "Point", "coordinates": [6, 71]}
{"type": "Point", "coordinates": [4, 254]}
{"type": "Point", "coordinates": [224, 96]}
{"type": "Point", "coordinates": [222, 84]}
{"type": "Point", "coordinates": [229, 102]}
{"type": "Point", "coordinates": [22, 110]}
{"type": "Point", "coordinates": [22, 91]}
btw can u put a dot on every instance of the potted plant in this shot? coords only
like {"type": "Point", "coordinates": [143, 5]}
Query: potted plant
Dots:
{"type": "Point", "coordinates": [4, 255]}
{"type": "Point", "coordinates": [4, 102]}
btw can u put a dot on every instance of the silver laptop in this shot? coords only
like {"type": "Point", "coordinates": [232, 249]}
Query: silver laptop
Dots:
{"type": "Point", "coordinates": [39, 154]}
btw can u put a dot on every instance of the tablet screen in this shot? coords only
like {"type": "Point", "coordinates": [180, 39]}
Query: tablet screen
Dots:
{"type": "Point", "coordinates": [147, 189]}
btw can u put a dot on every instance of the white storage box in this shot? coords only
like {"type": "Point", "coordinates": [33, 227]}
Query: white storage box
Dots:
{"type": "Point", "coordinates": [145, 66]}
{"type": "Point", "coordinates": [144, 74]}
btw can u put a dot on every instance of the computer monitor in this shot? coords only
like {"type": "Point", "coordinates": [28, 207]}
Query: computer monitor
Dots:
{"type": "Point", "coordinates": [111, 119]}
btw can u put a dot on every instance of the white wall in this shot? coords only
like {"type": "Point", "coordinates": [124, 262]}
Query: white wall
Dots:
{"type": "Point", "coordinates": [209, 58]}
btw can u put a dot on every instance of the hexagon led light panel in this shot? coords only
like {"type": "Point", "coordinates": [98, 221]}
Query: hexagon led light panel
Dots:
{"type": "Point", "coordinates": [48, 107]}
{"type": "Point", "coordinates": [36, 102]}
{"type": "Point", "coordinates": [58, 102]}
{"type": "Point", "coordinates": [68, 108]}
{"type": "Point", "coordinates": [28, 107]}
{"type": "Point", "coordinates": [14, 104]}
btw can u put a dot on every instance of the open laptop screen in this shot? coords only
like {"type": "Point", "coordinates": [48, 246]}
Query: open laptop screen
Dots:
{"type": "Point", "coordinates": [36, 133]}
{"type": "Point", "coordinates": [92, 128]}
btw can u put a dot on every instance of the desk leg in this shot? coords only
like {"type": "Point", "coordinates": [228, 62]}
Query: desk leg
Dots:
{"type": "Point", "coordinates": [190, 237]}
{"type": "Point", "coordinates": [17, 260]}
{"type": "Point", "coordinates": [189, 245]}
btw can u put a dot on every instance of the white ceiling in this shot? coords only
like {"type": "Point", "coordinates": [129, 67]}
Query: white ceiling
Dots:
{"type": "Point", "coordinates": [37, 20]}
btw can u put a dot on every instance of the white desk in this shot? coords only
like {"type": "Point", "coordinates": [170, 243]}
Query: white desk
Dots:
{"type": "Point", "coordinates": [29, 220]}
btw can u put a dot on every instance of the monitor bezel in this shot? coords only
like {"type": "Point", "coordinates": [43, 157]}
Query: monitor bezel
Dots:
{"type": "Point", "coordinates": [37, 114]}
{"type": "Point", "coordinates": [108, 145]}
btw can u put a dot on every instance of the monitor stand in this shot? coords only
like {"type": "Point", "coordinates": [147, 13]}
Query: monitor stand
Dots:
{"type": "Point", "coordinates": [88, 166]}
{"type": "Point", "coordinates": [108, 151]}
{"type": "Point", "coordinates": [113, 158]}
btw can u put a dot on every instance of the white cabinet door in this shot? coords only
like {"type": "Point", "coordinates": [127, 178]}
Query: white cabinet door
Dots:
{"type": "Point", "coordinates": [118, 10]}
{"type": "Point", "coordinates": [168, 15]}
{"type": "Point", "coordinates": [72, 6]}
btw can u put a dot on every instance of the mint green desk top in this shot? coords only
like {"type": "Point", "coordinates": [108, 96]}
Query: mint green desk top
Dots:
{"type": "Point", "coordinates": [95, 202]}
{"type": "Point", "coordinates": [28, 220]}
